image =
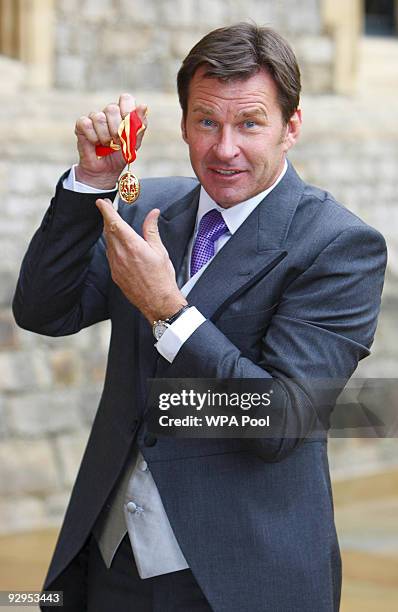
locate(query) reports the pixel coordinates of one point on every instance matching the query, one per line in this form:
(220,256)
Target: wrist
(159,327)
(98,181)
(167,312)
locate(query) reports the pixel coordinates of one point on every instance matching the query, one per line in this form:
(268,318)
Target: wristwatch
(159,327)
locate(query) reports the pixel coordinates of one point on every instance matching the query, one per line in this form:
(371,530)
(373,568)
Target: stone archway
(27,36)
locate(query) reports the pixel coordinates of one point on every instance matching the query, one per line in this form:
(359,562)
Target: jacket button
(150,440)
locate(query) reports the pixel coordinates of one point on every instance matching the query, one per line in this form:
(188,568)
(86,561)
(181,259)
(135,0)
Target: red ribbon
(128,131)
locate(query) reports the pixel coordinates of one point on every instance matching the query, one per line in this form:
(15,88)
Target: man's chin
(226,196)
(231,197)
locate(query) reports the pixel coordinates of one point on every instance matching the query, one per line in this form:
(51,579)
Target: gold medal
(129,187)
(130,127)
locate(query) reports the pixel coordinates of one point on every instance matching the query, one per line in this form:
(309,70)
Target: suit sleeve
(324,324)
(64,277)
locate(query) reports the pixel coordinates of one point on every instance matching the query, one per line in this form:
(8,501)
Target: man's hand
(101,128)
(141,267)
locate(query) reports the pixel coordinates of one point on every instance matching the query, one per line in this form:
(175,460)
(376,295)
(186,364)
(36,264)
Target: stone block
(3,177)
(27,467)
(54,507)
(314,49)
(125,43)
(22,179)
(70,72)
(21,513)
(262,12)
(152,74)
(3,424)
(9,380)
(41,370)
(182,42)
(381,213)
(88,401)
(113,74)
(68,8)
(13,74)
(177,13)
(8,281)
(70,449)
(8,331)
(66,366)
(31,207)
(303,20)
(63,37)
(390,290)
(95,366)
(96,10)
(139,12)
(387,169)
(37,414)
(32,179)
(210,14)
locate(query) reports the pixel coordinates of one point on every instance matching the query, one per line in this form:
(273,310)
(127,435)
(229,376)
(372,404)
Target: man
(249,273)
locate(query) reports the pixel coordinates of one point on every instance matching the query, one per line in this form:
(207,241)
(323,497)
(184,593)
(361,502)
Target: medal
(129,187)
(130,127)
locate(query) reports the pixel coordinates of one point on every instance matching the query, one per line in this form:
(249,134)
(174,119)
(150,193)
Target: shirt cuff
(72,184)
(178,332)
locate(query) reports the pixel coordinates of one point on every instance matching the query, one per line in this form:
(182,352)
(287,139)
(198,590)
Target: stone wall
(125,44)
(49,388)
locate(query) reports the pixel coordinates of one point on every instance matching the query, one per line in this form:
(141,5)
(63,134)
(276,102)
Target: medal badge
(130,127)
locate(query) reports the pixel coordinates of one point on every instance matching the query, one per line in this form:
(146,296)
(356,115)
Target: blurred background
(60,59)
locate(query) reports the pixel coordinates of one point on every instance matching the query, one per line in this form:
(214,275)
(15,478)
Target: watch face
(159,328)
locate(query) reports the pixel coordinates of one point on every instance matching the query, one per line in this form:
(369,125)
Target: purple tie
(211,227)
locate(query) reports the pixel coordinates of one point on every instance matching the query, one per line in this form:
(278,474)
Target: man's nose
(226,148)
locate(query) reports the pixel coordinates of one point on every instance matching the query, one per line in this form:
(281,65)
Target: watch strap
(175,316)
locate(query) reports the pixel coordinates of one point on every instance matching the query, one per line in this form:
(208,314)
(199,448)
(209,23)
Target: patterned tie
(211,227)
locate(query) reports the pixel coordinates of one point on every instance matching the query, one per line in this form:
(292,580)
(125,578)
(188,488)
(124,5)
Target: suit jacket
(295,295)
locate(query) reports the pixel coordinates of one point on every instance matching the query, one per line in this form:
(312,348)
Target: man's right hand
(101,128)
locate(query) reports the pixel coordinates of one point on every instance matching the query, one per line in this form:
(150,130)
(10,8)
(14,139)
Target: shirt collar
(236,215)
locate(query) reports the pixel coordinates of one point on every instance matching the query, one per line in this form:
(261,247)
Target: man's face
(236,136)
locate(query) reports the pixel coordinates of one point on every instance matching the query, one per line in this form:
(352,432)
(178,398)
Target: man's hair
(238,52)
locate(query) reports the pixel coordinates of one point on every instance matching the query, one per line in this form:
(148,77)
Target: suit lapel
(176,226)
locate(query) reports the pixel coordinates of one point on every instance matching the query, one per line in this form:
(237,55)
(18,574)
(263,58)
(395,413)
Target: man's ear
(293,129)
(183,129)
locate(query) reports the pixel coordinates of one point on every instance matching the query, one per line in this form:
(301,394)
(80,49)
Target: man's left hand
(141,267)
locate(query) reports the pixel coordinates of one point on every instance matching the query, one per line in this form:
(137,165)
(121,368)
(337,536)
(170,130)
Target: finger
(114,119)
(114,225)
(126,104)
(84,129)
(150,229)
(100,125)
(86,140)
(112,219)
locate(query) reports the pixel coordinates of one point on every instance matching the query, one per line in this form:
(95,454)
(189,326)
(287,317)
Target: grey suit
(294,295)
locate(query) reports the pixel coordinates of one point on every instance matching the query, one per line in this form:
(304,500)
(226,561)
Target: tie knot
(212,226)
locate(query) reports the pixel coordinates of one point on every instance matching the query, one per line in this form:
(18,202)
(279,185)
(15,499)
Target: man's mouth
(224,172)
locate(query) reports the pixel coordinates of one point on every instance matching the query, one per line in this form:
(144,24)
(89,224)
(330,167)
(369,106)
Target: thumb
(150,228)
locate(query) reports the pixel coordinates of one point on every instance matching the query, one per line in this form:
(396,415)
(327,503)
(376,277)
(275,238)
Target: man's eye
(250,123)
(207,122)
